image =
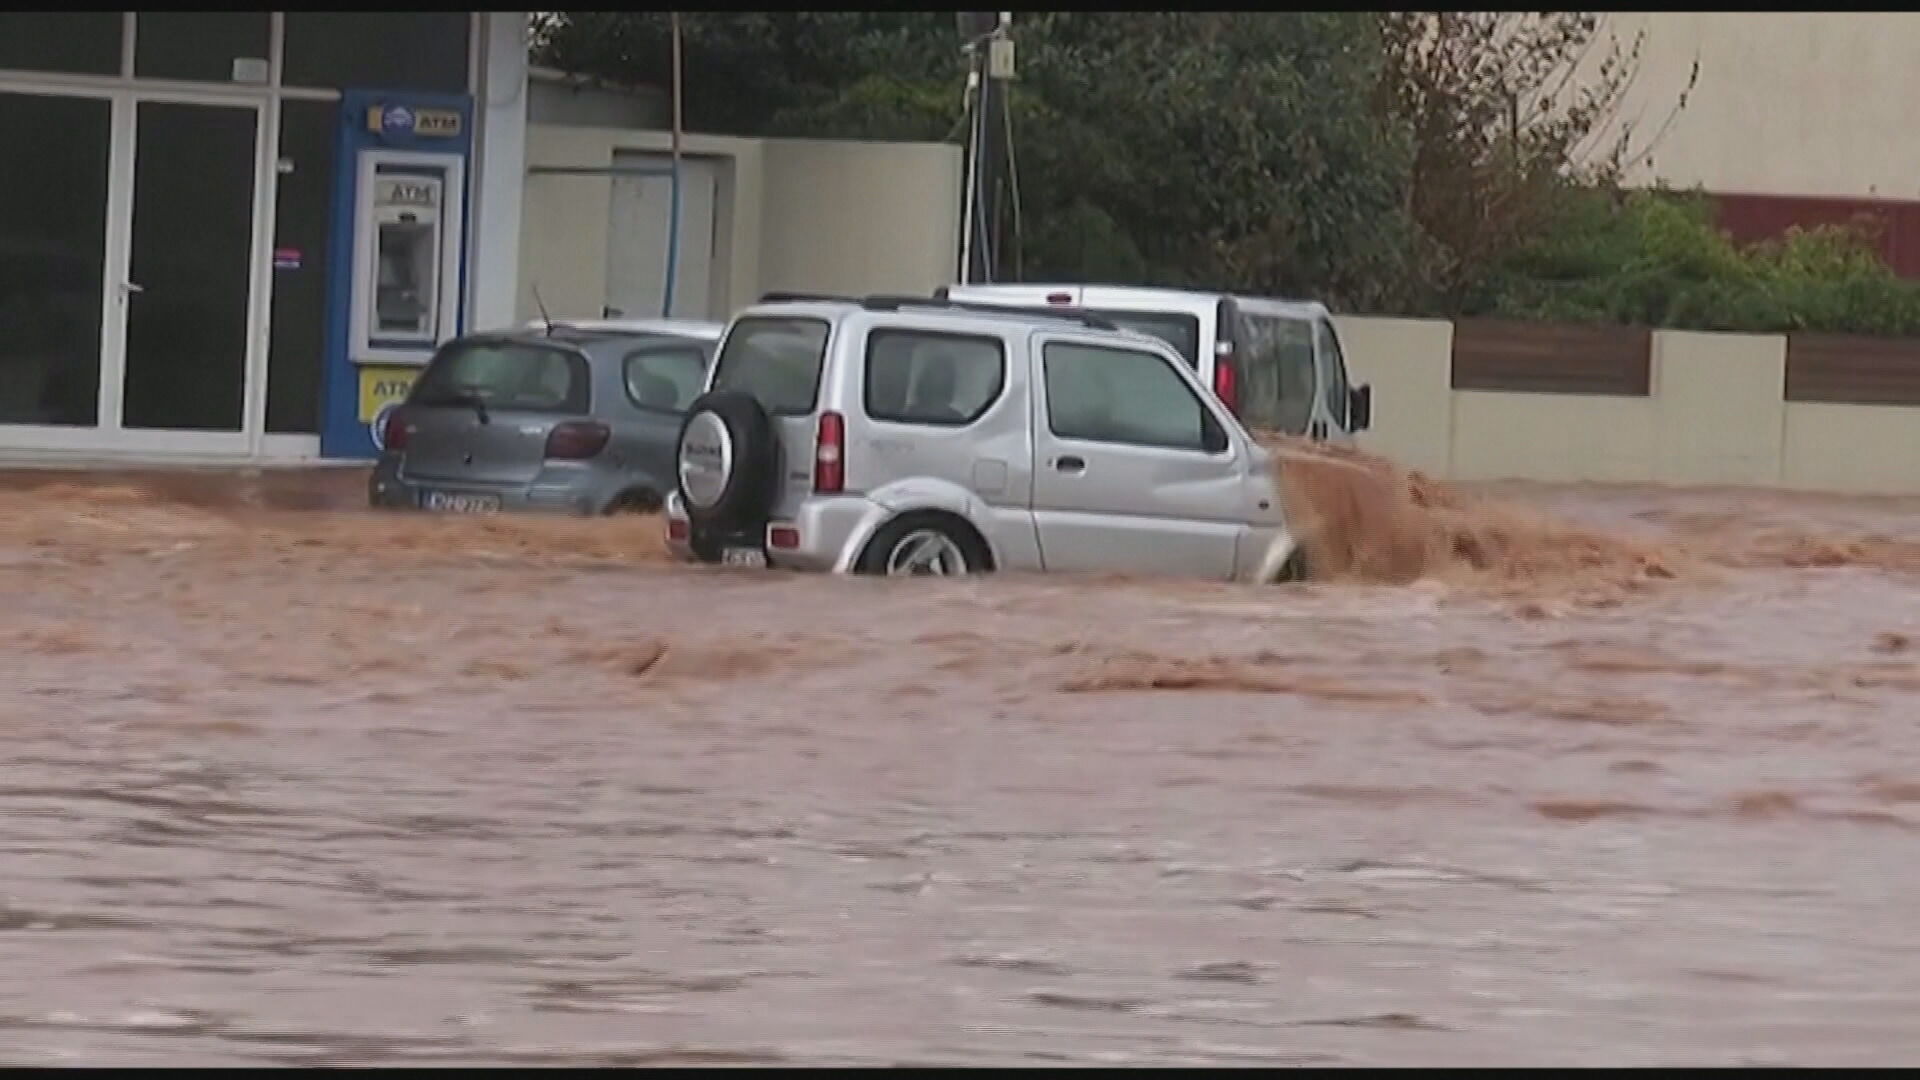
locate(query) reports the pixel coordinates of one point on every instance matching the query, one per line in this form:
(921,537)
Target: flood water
(300,786)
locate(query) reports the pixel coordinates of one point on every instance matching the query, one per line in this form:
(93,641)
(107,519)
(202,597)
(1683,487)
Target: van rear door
(1275,357)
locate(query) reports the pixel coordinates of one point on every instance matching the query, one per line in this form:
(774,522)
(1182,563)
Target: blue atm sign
(423,123)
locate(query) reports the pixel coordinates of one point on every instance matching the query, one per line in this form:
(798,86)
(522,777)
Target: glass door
(53,253)
(191,347)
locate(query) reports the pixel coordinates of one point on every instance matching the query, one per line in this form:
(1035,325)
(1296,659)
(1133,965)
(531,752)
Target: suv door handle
(1070,463)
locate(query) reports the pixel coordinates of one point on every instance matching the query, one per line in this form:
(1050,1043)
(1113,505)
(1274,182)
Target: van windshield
(1180,330)
(775,359)
(505,375)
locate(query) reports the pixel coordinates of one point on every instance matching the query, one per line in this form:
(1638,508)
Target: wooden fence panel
(1551,358)
(1845,369)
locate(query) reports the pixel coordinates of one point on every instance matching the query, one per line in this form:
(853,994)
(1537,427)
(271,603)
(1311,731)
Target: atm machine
(399,287)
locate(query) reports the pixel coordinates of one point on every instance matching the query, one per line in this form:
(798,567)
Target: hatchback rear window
(775,359)
(664,377)
(1176,329)
(509,375)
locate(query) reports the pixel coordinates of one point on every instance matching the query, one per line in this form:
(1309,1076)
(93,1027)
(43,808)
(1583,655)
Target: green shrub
(1655,258)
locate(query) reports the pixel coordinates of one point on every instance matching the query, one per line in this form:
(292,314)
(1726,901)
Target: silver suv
(898,435)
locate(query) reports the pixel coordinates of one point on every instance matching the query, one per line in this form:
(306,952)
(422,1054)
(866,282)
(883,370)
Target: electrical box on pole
(1000,59)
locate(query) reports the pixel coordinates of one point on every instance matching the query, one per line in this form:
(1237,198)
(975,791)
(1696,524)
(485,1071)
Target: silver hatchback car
(579,419)
(919,436)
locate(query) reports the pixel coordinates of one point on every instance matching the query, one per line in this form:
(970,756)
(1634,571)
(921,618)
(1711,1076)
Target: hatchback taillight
(393,433)
(577,440)
(829,455)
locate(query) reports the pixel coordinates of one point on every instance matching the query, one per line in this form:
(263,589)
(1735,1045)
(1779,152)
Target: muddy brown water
(286,786)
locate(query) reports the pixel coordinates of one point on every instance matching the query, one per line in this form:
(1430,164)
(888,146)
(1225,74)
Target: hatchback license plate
(455,502)
(744,556)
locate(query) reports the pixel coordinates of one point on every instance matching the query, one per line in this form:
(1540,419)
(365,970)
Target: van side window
(664,378)
(924,377)
(1105,394)
(1329,345)
(1276,373)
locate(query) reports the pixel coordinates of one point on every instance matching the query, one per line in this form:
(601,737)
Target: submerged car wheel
(1294,570)
(924,545)
(640,501)
(725,462)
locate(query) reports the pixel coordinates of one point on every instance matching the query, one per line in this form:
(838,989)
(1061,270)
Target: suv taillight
(393,433)
(1226,386)
(577,440)
(829,455)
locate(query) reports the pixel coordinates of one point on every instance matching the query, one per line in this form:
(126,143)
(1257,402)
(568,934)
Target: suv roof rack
(805,298)
(1061,314)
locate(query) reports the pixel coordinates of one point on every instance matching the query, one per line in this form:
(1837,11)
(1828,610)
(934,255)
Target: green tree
(1188,148)
(1655,258)
(741,69)
(1505,112)
(1232,149)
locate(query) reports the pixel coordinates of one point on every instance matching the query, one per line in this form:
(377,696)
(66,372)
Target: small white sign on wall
(250,69)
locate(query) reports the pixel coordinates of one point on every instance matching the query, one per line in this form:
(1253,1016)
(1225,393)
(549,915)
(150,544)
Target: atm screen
(406,214)
(404,292)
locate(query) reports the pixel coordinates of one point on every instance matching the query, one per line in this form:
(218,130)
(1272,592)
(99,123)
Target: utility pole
(989,49)
(673,199)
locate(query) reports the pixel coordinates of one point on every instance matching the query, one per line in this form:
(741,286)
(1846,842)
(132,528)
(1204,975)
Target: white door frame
(108,435)
(61,436)
(245,441)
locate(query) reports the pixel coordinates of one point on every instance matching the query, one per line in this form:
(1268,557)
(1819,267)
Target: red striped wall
(1749,218)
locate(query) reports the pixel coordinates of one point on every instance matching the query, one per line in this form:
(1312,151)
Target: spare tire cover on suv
(725,460)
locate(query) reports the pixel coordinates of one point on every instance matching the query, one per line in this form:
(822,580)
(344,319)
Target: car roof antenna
(542,305)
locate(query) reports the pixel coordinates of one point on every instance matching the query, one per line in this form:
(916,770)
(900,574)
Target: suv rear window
(1176,329)
(776,359)
(511,375)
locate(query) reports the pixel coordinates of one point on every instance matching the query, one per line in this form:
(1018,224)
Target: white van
(1277,364)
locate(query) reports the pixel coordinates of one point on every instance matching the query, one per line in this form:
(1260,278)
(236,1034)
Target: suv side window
(664,377)
(1105,394)
(1276,373)
(927,377)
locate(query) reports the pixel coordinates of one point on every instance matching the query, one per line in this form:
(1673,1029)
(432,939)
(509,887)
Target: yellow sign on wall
(383,386)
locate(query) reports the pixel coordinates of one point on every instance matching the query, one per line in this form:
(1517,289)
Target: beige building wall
(1788,102)
(791,214)
(1408,364)
(860,217)
(1555,437)
(1717,415)
(1855,449)
(1720,411)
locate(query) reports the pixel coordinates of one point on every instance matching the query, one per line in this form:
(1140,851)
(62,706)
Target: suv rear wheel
(924,545)
(725,462)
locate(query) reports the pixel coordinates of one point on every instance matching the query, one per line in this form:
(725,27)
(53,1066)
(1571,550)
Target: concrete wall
(499,179)
(1788,102)
(571,101)
(791,214)
(827,202)
(1717,415)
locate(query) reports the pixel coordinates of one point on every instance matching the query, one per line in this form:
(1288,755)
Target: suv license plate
(744,556)
(454,502)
